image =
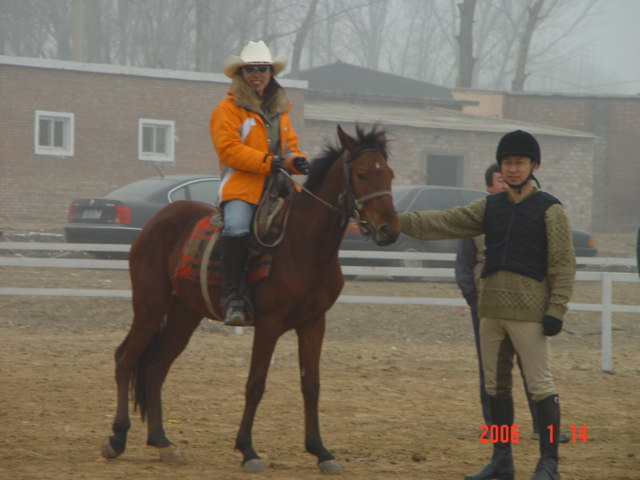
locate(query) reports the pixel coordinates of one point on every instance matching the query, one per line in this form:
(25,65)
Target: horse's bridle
(348,205)
(352,206)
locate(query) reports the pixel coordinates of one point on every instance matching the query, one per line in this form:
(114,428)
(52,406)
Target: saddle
(272,213)
(207,230)
(200,259)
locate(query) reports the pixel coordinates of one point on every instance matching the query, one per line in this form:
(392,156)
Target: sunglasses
(259,68)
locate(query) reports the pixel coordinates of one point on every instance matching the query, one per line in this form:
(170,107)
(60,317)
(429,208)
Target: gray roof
(341,78)
(49,63)
(426,117)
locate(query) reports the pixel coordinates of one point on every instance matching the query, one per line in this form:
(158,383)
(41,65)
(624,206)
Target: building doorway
(443,170)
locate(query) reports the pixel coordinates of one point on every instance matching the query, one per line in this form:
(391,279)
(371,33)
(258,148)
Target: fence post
(607,301)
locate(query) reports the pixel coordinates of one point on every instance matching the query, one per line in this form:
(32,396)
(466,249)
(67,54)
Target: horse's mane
(320,165)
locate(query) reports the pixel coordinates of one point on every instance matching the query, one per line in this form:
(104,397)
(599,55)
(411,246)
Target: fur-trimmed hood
(245,97)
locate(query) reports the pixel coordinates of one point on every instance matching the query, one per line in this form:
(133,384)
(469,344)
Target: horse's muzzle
(384,235)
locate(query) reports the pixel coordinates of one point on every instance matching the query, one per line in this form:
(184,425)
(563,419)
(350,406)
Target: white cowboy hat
(253,53)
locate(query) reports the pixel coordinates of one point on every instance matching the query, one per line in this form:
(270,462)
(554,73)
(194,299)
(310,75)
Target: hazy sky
(618,46)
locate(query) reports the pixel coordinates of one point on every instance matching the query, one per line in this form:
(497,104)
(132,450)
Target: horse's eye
(360,176)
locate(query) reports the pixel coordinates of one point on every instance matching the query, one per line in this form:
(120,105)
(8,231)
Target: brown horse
(353,180)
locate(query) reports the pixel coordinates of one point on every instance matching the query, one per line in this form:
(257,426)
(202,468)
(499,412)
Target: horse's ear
(347,142)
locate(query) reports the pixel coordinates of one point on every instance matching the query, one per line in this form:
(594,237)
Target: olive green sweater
(506,294)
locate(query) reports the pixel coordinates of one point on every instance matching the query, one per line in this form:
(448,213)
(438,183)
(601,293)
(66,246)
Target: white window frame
(68,135)
(170,127)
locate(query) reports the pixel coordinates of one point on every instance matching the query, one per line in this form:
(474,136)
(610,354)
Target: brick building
(438,146)
(100,112)
(72,130)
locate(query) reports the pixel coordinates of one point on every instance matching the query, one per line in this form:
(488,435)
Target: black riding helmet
(522,143)
(518,142)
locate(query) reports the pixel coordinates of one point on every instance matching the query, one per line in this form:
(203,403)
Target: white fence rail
(607,279)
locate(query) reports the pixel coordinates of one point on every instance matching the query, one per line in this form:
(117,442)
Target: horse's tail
(138,378)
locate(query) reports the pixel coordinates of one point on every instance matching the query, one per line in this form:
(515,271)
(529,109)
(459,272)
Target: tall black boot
(234,258)
(500,467)
(548,414)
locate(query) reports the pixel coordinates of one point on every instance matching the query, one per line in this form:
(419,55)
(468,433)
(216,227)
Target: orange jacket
(240,140)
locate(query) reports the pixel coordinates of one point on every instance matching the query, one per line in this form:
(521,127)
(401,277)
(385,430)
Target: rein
(349,206)
(327,204)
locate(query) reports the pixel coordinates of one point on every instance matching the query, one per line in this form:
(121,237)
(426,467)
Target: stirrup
(235,313)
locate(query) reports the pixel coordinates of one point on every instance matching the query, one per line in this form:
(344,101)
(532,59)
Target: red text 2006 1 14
(509,433)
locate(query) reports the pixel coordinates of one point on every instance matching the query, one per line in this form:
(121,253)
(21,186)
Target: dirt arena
(399,392)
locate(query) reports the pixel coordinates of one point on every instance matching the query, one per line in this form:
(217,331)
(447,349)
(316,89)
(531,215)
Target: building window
(54,133)
(156,140)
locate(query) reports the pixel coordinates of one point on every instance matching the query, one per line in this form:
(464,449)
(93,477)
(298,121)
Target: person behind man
(253,137)
(468,268)
(638,251)
(527,280)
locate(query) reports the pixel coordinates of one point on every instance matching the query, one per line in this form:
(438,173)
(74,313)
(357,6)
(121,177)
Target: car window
(204,191)
(437,199)
(472,195)
(401,196)
(139,189)
(179,194)
(406,198)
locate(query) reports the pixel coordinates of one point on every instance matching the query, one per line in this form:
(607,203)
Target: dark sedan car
(427,197)
(119,216)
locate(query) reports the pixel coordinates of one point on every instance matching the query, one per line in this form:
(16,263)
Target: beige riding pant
(500,340)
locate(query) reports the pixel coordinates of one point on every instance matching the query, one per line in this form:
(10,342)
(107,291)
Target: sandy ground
(399,389)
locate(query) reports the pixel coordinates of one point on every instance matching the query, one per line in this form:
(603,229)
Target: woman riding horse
(253,138)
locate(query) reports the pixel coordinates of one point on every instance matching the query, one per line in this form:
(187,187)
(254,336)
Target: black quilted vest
(516,235)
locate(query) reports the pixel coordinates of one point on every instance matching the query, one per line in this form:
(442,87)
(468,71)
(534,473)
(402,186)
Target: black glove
(551,326)
(302,165)
(276,164)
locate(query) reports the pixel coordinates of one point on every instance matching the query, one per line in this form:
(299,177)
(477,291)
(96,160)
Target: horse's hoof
(330,466)
(253,466)
(108,451)
(171,454)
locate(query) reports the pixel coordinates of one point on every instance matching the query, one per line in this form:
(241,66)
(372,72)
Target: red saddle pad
(190,263)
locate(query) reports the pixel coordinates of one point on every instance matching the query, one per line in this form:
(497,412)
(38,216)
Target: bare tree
(331,32)
(533,19)
(24,29)
(203,35)
(418,46)
(99,33)
(77,30)
(123,45)
(59,26)
(431,46)
(489,44)
(554,48)
(301,36)
(510,44)
(370,28)
(465,44)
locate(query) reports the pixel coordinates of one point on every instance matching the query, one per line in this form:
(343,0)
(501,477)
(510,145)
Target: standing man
(470,259)
(527,280)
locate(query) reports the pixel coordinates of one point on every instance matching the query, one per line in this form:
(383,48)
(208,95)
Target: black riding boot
(548,414)
(234,258)
(500,467)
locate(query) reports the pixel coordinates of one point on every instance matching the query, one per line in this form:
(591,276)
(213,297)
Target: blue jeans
(237,215)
